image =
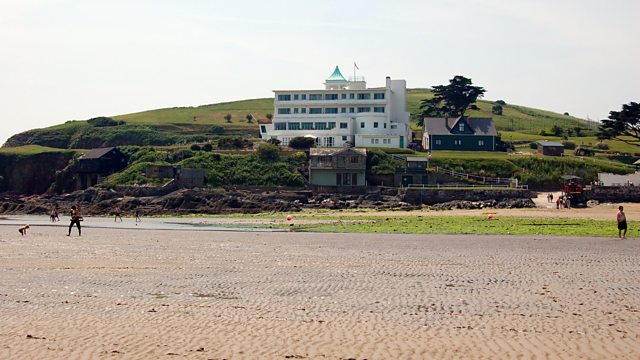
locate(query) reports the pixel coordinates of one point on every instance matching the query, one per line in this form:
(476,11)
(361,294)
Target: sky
(73,60)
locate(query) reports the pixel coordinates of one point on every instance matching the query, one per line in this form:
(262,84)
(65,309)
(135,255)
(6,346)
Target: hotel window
(285,141)
(351,110)
(331,125)
(372,141)
(295,110)
(364,109)
(343,110)
(457,142)
(378,96)
(480,142)
(438,142)
(331,110)
(362,125)
(328,141)
(386,141)
(303,96)
(461,127)
(344,125)
(375,124)
(331,96)
(354,159)
(303,110)
(377,141)
(294,126)
(284,111)
(344,138)
(307,126)
(394,126)
(295,97)
(280,126)
(352,96)
(378,109)
(315,96)
(385,125)
(364,96)
(315,111)
(284,97)
(263,129)
(343,96)
(321,126)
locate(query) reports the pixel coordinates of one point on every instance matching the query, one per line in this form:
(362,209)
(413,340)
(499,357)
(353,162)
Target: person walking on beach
(622,223)
(137,213)
(52,215)
(75,219)
(55,211)
(117,214)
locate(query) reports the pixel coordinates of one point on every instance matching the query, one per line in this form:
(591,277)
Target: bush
(533,145)
(301,142)
(274,141)
(569,145)
(543,133)
(195,147)
(217,130)
(103,121)
(234,143)
(602,146)
(501,102)
(496,109)
(268,152)
(207,147)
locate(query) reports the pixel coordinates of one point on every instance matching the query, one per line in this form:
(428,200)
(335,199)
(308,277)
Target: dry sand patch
(200,295)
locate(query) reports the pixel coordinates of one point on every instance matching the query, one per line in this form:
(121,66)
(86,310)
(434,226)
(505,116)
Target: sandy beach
(146,294)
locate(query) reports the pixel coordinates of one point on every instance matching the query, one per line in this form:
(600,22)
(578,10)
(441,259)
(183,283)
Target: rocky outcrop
(159,201)
(32,174)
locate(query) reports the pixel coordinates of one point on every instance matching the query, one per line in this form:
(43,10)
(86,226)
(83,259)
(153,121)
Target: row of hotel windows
(352,96)
(287,111)
(323,142)
(458,142)
(377,141)
(322,125)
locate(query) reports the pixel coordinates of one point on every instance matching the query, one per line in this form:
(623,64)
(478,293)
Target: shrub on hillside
(501,102)
(533,145)
(602,146)
(217,130)
(234,143)
(496,109)
(301,142)
(104,121)
(569,145)
(274,141)
(268,152)
(195,147)
(180,155)
(207,147)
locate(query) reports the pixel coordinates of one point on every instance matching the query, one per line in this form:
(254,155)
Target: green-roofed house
(459,133)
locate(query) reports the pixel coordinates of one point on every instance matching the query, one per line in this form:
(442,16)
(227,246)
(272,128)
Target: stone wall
(418,196)
(614,194)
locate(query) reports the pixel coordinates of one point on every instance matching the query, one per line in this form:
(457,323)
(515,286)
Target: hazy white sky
(64,60)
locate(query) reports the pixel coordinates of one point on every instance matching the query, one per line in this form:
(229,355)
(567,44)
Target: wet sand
(131,294)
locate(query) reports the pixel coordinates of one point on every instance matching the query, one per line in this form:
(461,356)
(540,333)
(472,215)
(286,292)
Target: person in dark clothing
(75,219)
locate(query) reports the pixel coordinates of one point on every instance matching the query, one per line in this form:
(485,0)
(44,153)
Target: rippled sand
(214,295)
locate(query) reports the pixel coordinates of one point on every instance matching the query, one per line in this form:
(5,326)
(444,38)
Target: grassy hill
(169,126)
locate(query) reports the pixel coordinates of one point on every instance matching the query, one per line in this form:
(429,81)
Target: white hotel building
(345,111)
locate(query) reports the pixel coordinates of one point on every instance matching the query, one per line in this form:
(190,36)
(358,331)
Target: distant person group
(76,219)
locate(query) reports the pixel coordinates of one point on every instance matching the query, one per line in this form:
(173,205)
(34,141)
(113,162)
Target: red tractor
(573,191)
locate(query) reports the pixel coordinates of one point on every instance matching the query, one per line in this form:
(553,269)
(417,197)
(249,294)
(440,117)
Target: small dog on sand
(23,230)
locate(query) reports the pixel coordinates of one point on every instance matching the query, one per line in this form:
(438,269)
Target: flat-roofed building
(344,112)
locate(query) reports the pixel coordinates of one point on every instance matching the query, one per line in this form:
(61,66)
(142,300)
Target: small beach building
(337,167)
(96,164)
(550,148)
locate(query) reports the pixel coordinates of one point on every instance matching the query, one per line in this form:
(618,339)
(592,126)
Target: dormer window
(461,127)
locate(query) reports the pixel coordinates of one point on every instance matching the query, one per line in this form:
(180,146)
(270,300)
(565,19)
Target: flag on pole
(355,65)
